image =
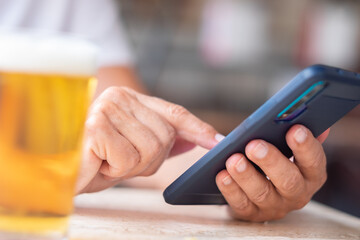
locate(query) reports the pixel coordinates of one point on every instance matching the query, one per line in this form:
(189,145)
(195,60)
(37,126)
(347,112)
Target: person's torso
(38,14)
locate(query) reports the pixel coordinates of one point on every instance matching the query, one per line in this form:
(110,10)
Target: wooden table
(124,213)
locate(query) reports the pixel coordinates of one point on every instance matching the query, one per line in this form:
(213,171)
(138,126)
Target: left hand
(252,197)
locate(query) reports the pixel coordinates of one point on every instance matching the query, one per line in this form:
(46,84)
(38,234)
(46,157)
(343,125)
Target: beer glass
(46,83)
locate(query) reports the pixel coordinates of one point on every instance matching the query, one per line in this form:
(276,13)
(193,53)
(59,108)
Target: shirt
(96,20)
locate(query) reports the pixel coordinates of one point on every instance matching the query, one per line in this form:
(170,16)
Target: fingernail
(241,165)
(300,135)
(227,180)
(219,137)
(260,150)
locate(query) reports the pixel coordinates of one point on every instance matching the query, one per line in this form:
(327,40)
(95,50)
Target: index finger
(187,125)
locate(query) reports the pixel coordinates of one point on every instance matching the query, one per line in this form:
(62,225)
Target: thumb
(187,125)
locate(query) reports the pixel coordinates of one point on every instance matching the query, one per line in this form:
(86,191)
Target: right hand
(129,134)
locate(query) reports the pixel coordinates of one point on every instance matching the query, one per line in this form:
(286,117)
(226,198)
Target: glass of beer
(46,85)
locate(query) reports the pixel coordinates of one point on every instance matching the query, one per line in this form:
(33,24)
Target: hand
(253,197)
(129,134)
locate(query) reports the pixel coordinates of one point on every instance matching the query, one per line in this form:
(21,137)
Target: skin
(253,197)
(130,134)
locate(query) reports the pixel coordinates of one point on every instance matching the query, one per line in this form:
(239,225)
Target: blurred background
(223,58)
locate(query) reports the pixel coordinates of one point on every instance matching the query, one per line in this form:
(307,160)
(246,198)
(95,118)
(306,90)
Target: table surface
(125,213)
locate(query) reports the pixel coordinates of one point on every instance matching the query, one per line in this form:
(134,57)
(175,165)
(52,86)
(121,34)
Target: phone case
(316,98)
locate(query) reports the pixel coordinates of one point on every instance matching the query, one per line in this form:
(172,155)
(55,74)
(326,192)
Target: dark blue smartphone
(316,98)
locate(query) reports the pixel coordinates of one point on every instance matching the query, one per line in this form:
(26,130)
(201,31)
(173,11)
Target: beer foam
(47,54)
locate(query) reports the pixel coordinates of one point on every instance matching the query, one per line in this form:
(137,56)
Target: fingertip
(223,173)
(236,162)
(205,136)
(207,143)
(249,147)
(226,181)
(222,178)
(212,137)
(257,149)
(298,135)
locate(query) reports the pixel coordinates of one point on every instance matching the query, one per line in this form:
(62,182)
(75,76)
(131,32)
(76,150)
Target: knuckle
(90,124)
(106,107)
(122,170)
(169,138)
(132,162)
(113,90)
(318,161)
(241,205)
(292,184)
(263,195)
(155,149)
(129,91)
(117,95)
(92,147)
(122,93)
(101,104)
(177,111)
(94,123)
(171,132)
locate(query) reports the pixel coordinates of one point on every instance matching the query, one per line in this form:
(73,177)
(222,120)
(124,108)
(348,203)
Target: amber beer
(45,89)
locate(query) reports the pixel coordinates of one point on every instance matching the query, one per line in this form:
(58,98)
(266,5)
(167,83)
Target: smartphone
(316,98)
